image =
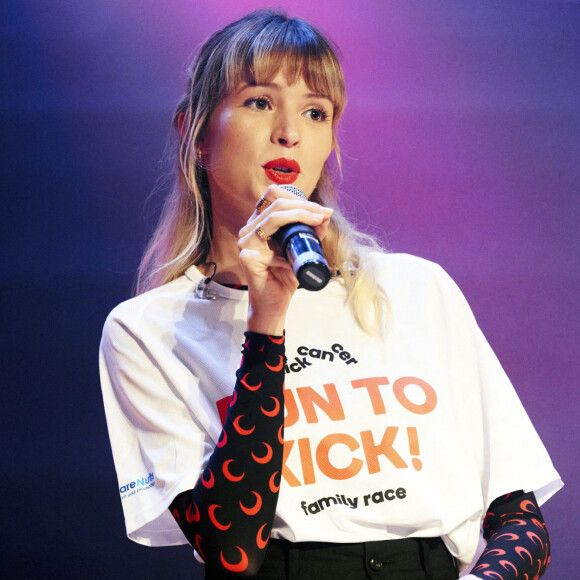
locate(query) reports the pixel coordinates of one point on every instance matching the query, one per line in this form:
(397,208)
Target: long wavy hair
(256,48)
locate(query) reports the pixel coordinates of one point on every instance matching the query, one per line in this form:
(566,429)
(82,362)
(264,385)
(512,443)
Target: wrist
(272,325)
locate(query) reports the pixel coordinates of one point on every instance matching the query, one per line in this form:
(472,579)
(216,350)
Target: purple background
(460,144)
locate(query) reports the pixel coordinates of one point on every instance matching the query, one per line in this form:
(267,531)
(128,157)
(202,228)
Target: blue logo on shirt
(137,485)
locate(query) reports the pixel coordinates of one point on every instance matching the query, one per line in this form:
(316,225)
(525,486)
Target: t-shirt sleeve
(511,454)
(158,444)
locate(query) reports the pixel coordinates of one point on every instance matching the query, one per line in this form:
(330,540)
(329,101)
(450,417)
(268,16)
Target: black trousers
(406,559)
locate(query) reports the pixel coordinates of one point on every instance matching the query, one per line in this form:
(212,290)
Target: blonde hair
(255,48)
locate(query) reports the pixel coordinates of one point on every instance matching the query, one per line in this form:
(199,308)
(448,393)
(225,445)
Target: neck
(225,253)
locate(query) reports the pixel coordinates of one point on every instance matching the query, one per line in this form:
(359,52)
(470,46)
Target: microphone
(302,249)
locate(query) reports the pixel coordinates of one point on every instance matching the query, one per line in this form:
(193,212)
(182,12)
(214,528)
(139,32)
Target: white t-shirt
(410,435)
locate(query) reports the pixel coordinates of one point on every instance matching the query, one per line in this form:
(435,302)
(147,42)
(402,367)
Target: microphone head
(293,189)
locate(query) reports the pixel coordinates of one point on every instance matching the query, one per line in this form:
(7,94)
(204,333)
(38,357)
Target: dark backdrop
(460,144)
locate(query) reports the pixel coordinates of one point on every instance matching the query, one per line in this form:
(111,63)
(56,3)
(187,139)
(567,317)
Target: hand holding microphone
(303,250)
(274,273)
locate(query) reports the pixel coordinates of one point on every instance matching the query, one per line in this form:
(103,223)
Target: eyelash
(253,102)
(323,114)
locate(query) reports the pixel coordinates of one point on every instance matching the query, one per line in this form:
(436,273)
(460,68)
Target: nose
(286,131)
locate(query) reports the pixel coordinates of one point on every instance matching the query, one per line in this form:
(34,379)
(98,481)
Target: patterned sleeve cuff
(259,347)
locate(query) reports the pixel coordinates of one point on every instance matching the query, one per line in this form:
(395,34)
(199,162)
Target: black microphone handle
(303,250)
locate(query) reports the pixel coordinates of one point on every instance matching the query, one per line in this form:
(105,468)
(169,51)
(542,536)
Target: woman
(371,429)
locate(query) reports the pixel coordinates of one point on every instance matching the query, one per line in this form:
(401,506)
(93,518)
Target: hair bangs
(294,49)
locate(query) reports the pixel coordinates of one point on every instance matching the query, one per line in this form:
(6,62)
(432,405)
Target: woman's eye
(317,114)
(258,103)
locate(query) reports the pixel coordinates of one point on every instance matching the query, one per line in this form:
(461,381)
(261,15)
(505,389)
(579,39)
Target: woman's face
(264,134)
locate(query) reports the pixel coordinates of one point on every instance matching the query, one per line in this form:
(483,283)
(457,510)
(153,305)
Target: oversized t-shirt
(411,434)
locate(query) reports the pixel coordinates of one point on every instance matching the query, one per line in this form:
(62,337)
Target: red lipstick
(282,171)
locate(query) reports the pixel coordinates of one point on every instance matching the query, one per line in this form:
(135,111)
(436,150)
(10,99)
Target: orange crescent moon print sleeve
(228,515)
(518,545)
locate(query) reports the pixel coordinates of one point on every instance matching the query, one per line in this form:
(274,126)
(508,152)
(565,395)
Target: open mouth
(282,171)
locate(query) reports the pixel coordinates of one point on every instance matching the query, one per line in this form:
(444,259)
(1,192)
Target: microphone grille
(293,189)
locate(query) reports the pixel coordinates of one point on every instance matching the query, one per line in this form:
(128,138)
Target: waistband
(402,559)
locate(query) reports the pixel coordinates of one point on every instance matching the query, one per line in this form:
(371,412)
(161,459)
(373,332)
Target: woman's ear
(181,124)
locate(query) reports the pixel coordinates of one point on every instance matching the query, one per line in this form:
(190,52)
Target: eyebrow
(249,84)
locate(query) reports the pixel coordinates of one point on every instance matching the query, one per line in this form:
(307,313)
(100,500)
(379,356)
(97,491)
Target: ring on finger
(263,204)
(261,233)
